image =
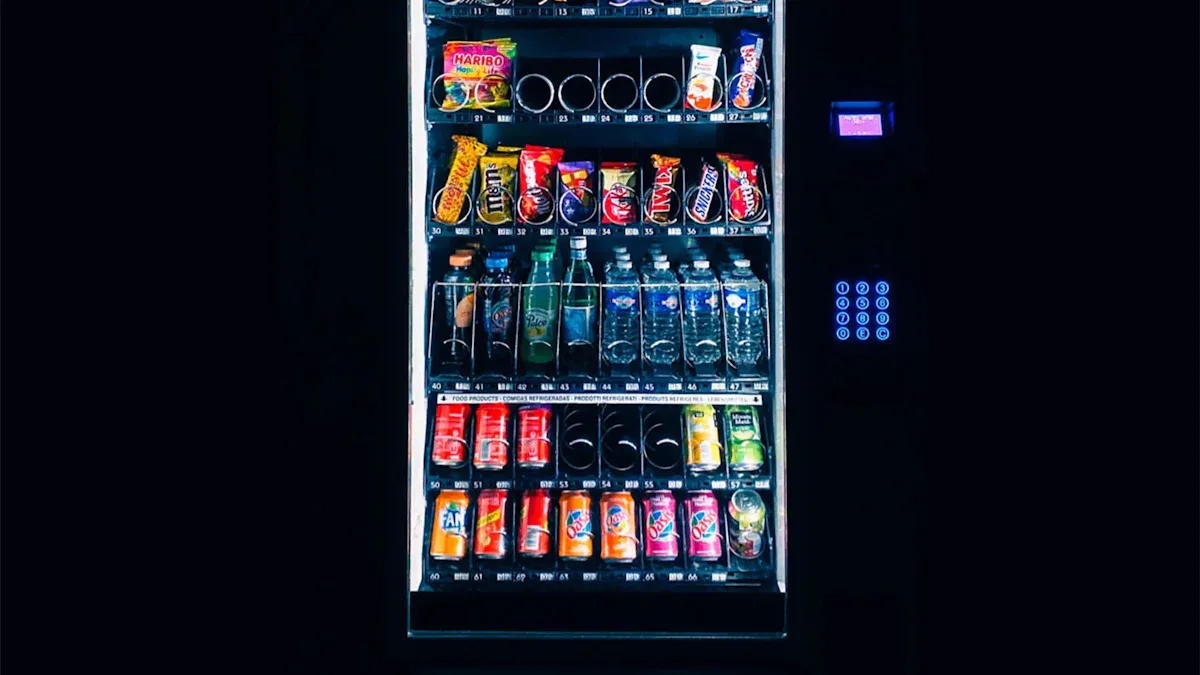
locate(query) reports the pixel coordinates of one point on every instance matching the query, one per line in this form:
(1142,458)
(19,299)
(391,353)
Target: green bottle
(539,315)
(745,438)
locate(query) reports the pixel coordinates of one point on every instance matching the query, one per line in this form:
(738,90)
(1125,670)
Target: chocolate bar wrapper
(710,178)
(745,201)
(741,87)
(618,186)
(535,165)
(467,151)
(665,191)
(701,84)
(497,184)
(576,204)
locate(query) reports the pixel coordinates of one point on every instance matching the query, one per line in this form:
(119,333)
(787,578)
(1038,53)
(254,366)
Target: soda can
(450,434)
(448,538)
(703,444)
(748,518)
(491,436)
(704,536)
(618,540)
(491,524)
(533,436)
(662,534)
(745,438)
(575,525)
(534,526)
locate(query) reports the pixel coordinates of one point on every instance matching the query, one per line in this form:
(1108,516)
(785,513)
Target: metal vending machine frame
(420,304)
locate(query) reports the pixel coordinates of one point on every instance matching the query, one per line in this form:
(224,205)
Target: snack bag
(576,204)
(664,191)
(536,201)
(741,87)
(745,201)
(618,186)
(497,185)
(467,65)
(702,78)
(467,151)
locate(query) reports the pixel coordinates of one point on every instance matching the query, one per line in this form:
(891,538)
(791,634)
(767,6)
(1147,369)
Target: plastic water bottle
(459,298)
(661,314)
(648,261)
(648,268)
(579,312)
(539,316)
(499,317)
(618,252)
(743,318)
(701,318)
(622,308)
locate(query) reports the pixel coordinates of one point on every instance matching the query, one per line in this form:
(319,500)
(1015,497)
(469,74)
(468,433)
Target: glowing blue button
(881,303)
(842,302)
(862,318)
(861,302)
(862,333)
(882,333)
(862,288)
(882,318)
(881,287)
(842,318)
(843,333)
(842,288)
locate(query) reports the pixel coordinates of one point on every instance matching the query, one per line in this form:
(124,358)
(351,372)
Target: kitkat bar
(618,185)
(745,197)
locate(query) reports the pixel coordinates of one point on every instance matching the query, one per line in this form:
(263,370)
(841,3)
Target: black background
(202,217)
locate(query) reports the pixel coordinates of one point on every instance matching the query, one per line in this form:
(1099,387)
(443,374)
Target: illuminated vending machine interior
(597,440)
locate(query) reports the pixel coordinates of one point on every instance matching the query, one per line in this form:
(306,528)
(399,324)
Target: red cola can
(533,530)
(533,436)
(491,436)
(450,434)
(704,530)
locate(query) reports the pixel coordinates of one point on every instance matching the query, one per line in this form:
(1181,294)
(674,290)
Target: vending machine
(597,432)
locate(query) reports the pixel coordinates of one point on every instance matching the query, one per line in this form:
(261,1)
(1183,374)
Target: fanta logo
(704,526)
(660,524)
(452,519)
(616,519)
(579,524)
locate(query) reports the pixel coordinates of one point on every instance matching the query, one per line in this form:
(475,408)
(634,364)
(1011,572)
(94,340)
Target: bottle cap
(625,264)
(543,256)
(660,256)
(620,249)
(578,242)
(662,265)
(457,260)
(741,264)
(623,256)
(700,264)
(497,262)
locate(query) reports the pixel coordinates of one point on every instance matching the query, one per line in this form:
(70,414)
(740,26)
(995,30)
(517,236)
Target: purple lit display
(860,125)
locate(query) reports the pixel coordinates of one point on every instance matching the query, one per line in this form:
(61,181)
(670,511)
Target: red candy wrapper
(745,199)
(618,182)
(535,168)
(665,170)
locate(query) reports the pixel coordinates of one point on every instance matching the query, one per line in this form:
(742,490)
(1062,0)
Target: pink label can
(662,532)
(704,532)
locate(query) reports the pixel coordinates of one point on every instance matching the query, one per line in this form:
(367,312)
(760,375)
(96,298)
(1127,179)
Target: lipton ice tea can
(703,444)
(534,527)
(491,436)
(704,536)
(575,525)
(450,434)
(661,531)
(491,524)
(618,541)
(448,537)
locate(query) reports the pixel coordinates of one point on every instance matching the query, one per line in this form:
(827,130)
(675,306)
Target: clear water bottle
(648,268)
(499,297)
(648,261)
(622,309)
(459,298)
(744,318)
(581,299)
(661,315)
(702,318)
(619,253)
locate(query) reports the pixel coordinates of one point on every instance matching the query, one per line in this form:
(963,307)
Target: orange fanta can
(618,540)
(448,537)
